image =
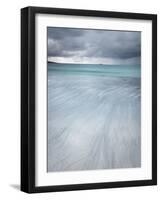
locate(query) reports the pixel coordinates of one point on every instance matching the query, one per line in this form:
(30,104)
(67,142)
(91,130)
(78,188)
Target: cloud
(87,45)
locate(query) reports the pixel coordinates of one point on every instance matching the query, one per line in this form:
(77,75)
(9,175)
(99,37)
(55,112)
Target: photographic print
(88,99)
(94,99)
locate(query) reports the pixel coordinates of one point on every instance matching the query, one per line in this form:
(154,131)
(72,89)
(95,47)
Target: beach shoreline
(93,121)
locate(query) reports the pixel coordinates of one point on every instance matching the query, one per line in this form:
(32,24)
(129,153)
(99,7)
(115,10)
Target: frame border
(28,99)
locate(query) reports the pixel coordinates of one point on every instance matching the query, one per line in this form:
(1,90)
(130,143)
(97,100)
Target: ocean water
(94,117)
(96,69)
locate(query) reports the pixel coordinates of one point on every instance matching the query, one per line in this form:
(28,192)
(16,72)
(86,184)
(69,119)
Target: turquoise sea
(96,69)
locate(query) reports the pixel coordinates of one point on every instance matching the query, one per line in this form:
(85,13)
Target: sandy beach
(93,122)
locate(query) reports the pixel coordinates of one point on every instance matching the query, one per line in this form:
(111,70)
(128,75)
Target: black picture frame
(28,98)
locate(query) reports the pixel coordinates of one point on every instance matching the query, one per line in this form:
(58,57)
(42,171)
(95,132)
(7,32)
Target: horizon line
(90,63)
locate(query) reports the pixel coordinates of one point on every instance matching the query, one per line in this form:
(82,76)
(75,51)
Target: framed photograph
(88,99)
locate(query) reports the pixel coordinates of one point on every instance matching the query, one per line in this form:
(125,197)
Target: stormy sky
(69,45)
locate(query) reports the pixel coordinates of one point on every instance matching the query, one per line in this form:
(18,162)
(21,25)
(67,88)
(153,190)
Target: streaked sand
(93,122)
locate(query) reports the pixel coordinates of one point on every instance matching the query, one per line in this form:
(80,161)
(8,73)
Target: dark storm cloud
(59,33)
(65,42)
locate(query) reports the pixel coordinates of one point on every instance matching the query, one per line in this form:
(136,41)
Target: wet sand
(93,122)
